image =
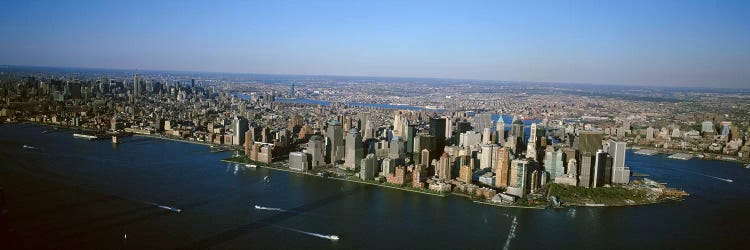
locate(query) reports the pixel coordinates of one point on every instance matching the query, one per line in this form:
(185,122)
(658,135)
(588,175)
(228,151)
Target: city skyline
(692,44)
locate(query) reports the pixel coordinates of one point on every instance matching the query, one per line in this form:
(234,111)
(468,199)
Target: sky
(667,43)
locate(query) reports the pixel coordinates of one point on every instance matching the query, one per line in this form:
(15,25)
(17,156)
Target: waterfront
(71,193)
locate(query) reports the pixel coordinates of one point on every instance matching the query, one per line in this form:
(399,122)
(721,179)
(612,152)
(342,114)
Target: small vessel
(267,179)
(250,166)
(333,237)
(748,166)
(28,147)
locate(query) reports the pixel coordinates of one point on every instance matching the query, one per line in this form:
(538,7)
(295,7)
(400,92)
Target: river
(63,192)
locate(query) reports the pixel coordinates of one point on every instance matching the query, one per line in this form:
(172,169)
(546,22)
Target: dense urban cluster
(495,141)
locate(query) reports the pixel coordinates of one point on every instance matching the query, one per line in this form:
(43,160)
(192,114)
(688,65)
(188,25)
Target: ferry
(85,136)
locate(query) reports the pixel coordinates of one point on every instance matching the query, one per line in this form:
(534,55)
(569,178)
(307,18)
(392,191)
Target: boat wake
(710,176)
(511,234)
(332,237)
(173,209)
(269,208)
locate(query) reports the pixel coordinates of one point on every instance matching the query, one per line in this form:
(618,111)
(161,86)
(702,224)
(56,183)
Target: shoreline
(269,166)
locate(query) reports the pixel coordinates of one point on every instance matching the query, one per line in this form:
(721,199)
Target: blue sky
(688,43)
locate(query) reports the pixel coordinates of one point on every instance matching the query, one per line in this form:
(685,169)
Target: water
(70,193)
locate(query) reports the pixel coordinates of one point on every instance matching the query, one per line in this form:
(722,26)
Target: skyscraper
(502,170)
(620,173)
(518,184)
(600,175)
(334,142)
(486,161)
(553,162)
(585,175)
(437,130)
(315,147)
(354,151)
(367,172)
(240,126)
(589,141)
(444,167)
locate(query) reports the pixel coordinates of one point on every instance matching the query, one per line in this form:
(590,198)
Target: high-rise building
(519,174)
(589,141)
(334,142)
(502,168)
(553,162)
(707,126)
(486,161)
(650,133)
(397,149)
(602,172)
(369,163)
(482,121)
(354,151)
(299,161)
(620,173)
(500,131)
(137,90)
(316,148)
(411,133)
(464,174)
(444,167)
(239,127)
(585,176)
(437,129)
(388,166)
(448,128)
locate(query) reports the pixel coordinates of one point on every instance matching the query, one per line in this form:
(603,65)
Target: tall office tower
(531,149)
(398,122)
(572,168)
(589,141)
(532,133)
(516,130)
(137,85)
(486,136)
(585,176)
(388,166)
(411,133)
(620,173)
(469,138)
(500,131)
(707,127)
(192,83)
(464,174)
(518,183)
(437,130)
(448,128)
(369,164)
(482,121)
(291,91)
(425,158)
(397,149)
(334,142)
(354,151)
(239,125)
(486,161)
(725,128)
(602,169)
(316,147)
(553,162)
(444,167)
(650,133)
(462,126)
(363,118)
(502,170)
(299,161)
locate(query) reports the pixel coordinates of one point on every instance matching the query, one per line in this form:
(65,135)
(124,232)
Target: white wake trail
(330,237)
(512,233)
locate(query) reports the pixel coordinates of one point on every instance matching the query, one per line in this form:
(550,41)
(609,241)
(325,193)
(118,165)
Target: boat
(86,136)
(250,166)
(333,237)
(748,166)
(28,147)
(267,179)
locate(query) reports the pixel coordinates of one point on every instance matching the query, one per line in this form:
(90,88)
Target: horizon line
(371,76)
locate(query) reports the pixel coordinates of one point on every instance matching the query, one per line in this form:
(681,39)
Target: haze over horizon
(677,43)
